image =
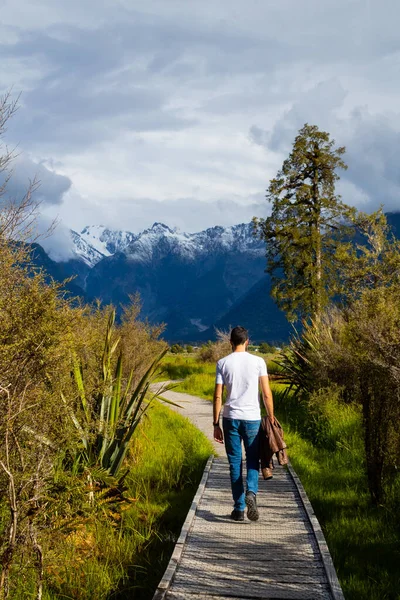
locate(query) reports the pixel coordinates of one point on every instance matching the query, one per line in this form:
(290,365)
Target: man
(242,374)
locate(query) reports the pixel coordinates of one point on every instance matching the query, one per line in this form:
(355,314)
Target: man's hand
(267,397)
(218,435)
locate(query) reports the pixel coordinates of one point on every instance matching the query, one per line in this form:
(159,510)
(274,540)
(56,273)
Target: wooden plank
(333,580)
(282,556)
(257,590)
(198,571)
(273,595)
(177,553)
(286,560)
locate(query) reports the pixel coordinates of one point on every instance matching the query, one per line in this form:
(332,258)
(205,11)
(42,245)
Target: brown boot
(267,473)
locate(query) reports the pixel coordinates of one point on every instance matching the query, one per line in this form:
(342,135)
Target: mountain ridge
(194,282)
(94,243)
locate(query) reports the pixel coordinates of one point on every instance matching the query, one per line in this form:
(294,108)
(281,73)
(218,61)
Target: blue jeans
(236,430)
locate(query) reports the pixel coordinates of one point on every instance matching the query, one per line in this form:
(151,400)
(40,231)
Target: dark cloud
(372,143)
(373,158)
(52,186)
(259,136)
(97,83)
(314,106)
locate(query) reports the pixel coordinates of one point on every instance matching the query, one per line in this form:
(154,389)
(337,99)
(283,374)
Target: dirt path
(198,410)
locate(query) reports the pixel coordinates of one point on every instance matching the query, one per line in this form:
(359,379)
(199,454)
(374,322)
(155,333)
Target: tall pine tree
(307,226)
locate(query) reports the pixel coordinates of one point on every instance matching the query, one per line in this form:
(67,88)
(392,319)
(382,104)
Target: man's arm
(218,436)
(267,396)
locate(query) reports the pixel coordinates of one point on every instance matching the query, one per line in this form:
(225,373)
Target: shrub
(357,349)
(177,349)
(213,351)
(46,498)
(266,348)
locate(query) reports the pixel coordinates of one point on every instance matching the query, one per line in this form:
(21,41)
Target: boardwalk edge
(169,573)
(327,561)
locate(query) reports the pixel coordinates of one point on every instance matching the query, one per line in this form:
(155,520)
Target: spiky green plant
(296,365)
(110,418)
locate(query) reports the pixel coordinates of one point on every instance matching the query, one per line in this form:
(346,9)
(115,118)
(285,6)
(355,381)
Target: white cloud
(56,240)
(187,109)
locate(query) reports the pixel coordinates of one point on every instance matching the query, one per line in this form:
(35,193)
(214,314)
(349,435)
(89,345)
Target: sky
(181,111)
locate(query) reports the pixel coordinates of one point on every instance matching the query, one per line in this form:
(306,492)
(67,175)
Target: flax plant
(110,417)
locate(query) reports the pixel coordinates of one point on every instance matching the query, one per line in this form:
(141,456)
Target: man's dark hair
(239,335)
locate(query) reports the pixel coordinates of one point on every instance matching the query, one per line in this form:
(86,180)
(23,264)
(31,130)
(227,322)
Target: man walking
(242,374)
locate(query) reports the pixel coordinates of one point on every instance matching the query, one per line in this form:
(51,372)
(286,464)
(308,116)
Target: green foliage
(266,348)
(357,349)
(102,557)
(69,528)
(111,417)
(36,325)
(199,384)
(362,538)
(177,349)
(178,367)
(307,226)
(374,261)
(189,349)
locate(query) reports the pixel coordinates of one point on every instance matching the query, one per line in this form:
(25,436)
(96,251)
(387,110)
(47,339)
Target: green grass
(328,455)
(169,460)
(126,559)
(178,366)
(363,539)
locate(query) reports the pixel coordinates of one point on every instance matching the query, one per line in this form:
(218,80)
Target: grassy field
(168,458)
(126,559)
(179,366)
(198,378)
(363,539)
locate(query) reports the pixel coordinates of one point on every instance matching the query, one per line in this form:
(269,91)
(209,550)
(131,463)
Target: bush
(177,349)
(357,349)
(48,499)
(213,351)
(266,348)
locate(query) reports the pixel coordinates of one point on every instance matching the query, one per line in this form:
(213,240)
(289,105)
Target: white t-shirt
(240,373)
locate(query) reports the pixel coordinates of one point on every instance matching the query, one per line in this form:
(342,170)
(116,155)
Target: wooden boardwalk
(281,556)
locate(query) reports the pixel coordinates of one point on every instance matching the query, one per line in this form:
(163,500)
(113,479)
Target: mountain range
(193,282)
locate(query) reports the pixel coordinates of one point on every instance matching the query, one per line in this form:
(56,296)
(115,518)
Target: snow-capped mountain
(187,280)
(96,242)
(85,251)
(106,241)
